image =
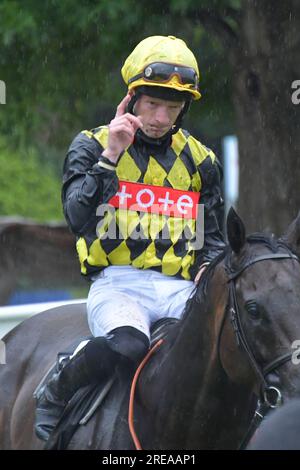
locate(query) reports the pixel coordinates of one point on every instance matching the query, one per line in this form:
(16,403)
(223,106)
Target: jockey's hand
(200,272)
(121,131)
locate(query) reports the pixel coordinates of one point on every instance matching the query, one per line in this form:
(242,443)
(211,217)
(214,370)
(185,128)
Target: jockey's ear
(235,231)
(292,235)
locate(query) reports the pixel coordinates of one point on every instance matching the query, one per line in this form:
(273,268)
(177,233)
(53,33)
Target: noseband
(270,396)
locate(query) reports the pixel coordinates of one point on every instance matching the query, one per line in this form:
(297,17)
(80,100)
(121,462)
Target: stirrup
(62,359)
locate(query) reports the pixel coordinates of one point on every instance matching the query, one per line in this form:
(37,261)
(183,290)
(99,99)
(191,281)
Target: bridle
(270,396)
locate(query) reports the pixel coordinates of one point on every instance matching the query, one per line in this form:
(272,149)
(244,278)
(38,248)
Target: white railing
(12,315)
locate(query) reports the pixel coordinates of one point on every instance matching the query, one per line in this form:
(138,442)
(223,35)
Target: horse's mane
(270,241)
(200,291)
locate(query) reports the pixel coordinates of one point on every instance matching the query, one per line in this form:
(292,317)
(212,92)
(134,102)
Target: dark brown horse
(235,341)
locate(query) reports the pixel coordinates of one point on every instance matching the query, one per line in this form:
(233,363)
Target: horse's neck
(185,388)
(195,350)
(182,376)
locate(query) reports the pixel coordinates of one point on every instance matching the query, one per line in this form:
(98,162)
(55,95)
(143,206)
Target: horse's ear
(235,231)
(292,235)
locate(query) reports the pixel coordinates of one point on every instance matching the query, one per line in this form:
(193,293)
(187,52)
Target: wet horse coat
(197,390)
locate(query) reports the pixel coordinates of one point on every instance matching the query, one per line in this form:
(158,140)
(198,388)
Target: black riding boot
(58,391)
(96,362)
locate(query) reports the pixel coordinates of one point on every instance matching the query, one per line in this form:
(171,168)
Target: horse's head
(260,335)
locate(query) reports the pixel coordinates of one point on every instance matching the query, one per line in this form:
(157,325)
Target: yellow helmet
(163,61)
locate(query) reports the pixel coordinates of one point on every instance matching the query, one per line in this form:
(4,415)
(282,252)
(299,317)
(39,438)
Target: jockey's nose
(162,115)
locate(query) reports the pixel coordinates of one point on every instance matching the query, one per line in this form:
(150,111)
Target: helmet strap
(179,120)
(132,103)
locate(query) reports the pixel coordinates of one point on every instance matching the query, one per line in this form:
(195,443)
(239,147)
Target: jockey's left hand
(200,272)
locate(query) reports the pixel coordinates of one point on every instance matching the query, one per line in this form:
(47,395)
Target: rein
(270,396)
(132,392)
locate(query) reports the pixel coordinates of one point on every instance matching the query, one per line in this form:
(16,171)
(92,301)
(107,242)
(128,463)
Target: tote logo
(156,199)
(2,92)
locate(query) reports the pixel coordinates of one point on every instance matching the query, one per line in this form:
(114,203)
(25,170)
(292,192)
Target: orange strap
(132,392)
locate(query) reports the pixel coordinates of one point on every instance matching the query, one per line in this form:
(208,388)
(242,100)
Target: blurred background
(60,67)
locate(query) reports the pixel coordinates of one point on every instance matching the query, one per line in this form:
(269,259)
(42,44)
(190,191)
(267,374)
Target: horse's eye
(252,308)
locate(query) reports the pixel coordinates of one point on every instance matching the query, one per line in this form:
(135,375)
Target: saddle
(86,400)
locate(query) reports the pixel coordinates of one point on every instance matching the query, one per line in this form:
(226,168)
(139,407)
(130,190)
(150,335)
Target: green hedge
(28,188)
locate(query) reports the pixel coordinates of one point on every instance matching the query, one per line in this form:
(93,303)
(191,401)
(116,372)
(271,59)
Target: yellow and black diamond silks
(142,239)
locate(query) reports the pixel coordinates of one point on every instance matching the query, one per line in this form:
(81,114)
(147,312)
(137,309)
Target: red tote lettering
(156,199)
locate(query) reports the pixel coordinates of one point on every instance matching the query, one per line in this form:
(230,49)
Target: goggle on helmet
(173,65)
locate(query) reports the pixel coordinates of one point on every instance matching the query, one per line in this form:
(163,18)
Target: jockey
(130,194)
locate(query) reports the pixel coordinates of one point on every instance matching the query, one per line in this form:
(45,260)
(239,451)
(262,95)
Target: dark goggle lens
(163,72)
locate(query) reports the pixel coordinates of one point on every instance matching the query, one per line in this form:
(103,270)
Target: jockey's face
(158,116)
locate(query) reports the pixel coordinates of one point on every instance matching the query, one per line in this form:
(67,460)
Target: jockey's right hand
(121,131)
